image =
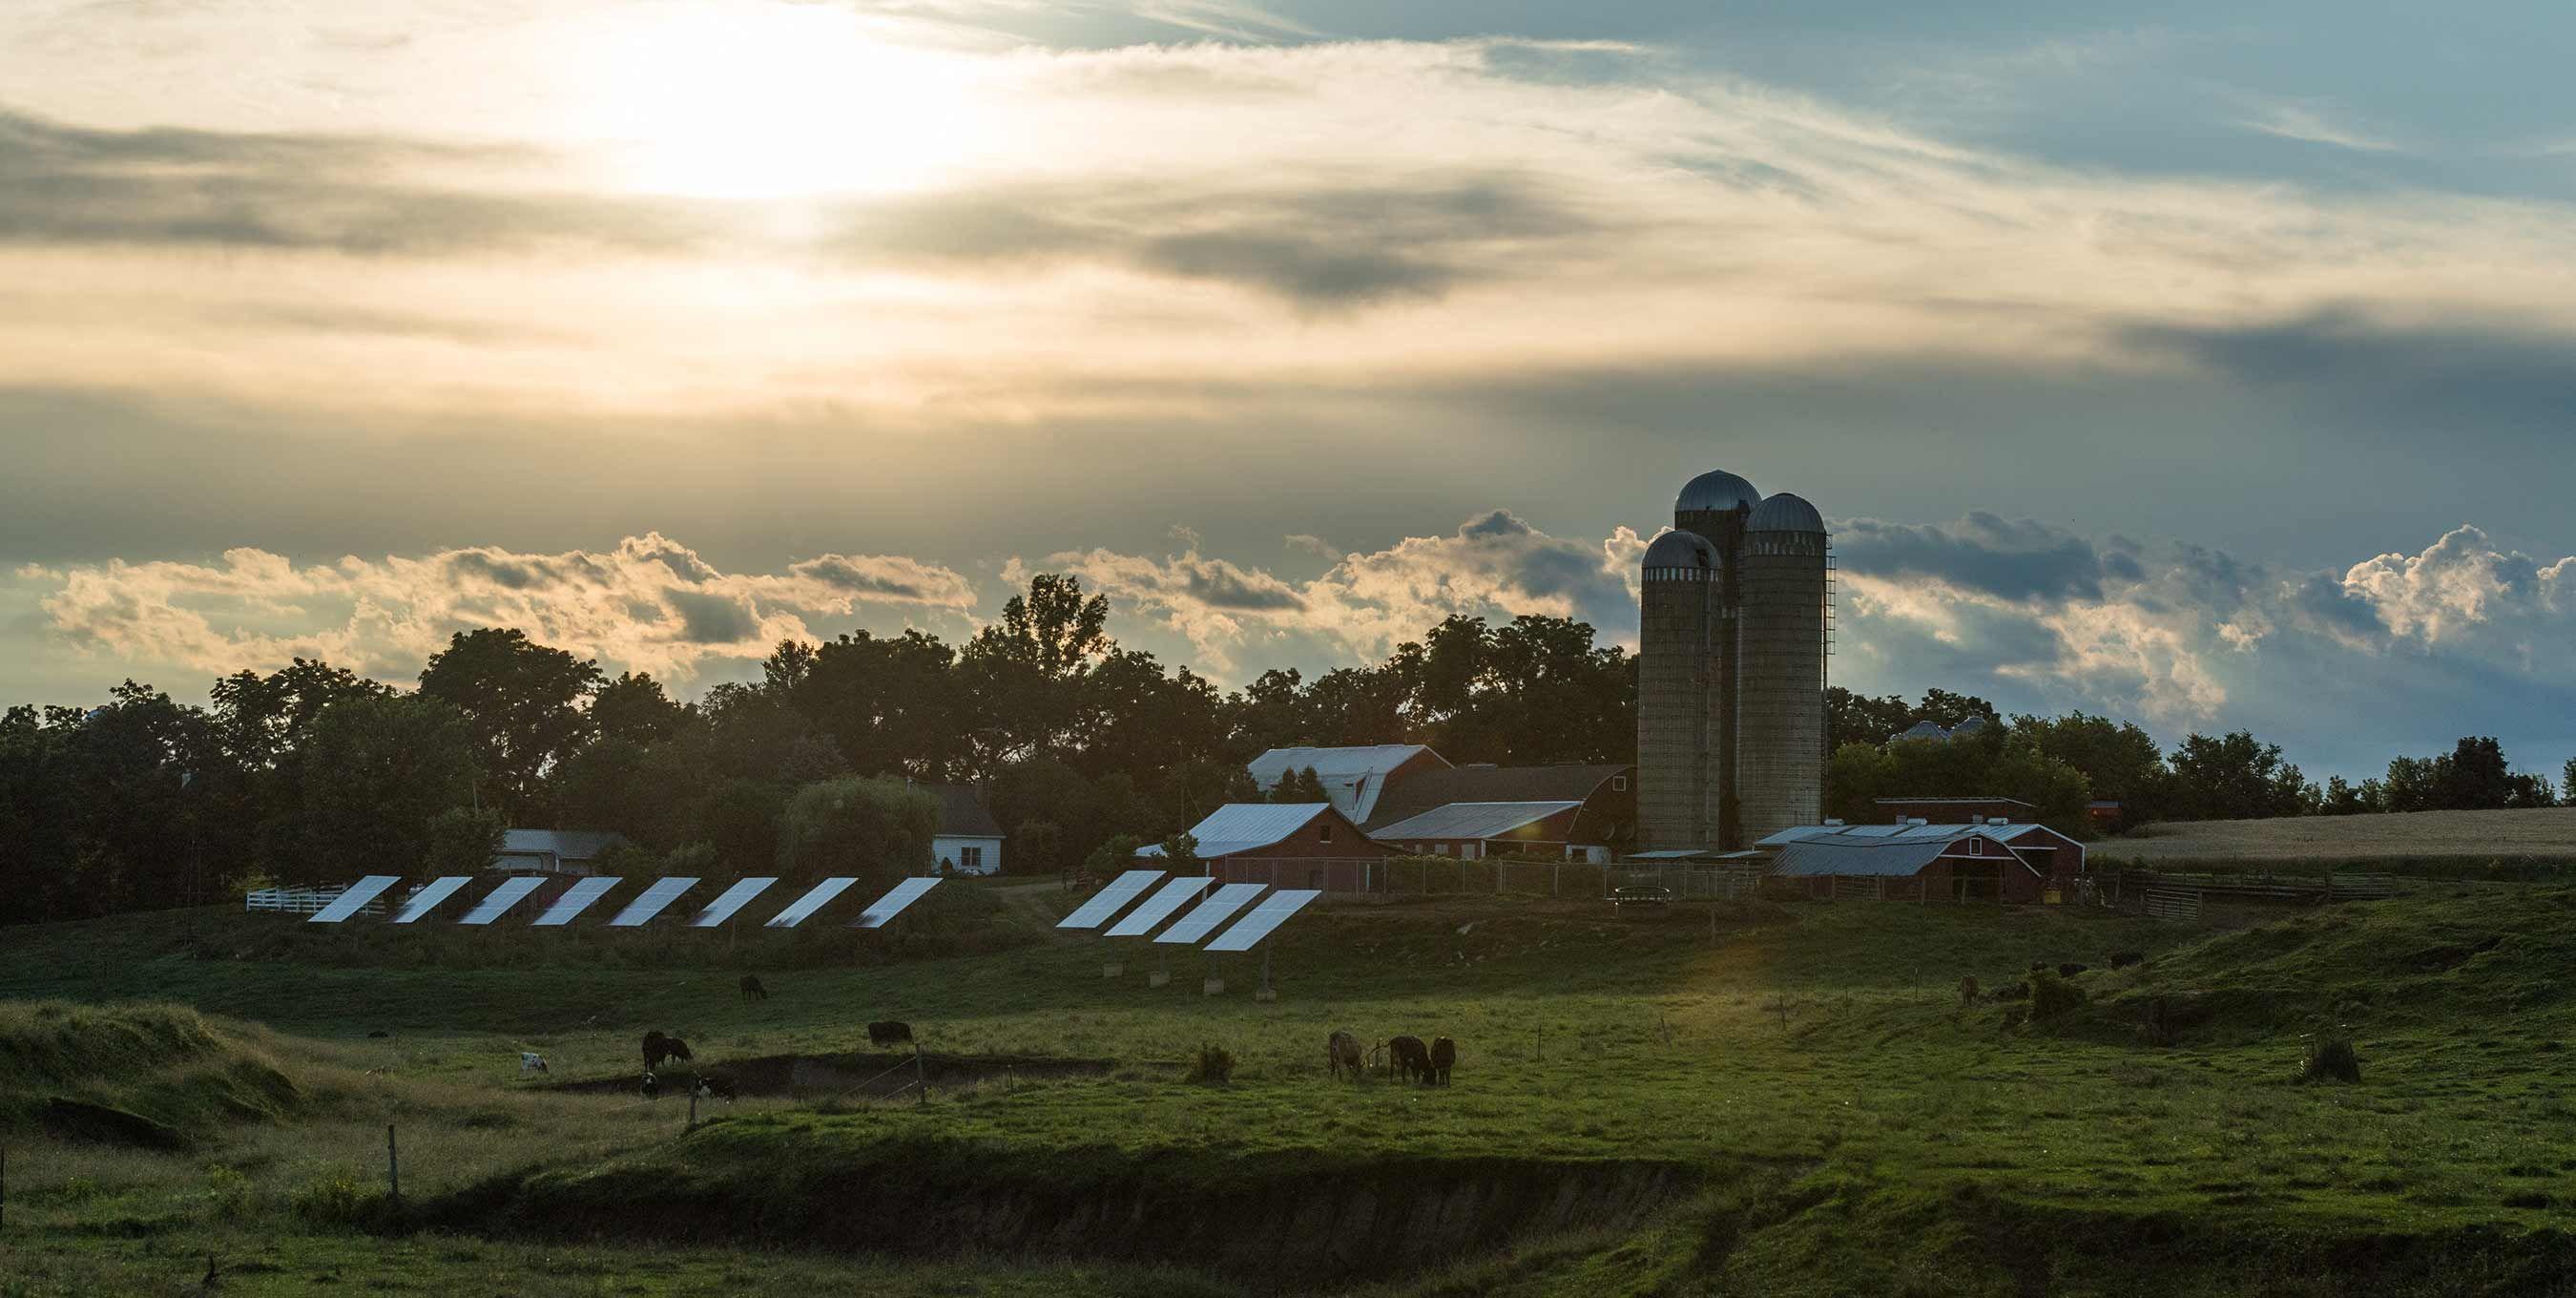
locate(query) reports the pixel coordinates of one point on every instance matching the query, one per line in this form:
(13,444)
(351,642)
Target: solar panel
(1160,906)
(501,899)
(1106,902)
(427,899)
(803,908)
(1273,911)
(733,899)
(1210,913)
(644,908)
(576,899)
(355,898)
(890,905)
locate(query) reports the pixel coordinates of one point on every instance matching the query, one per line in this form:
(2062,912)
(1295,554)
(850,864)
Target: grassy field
(2433,839)
(1765,1100)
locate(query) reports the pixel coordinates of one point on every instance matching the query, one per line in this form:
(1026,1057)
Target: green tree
(461,840)
(522,701)
(1025,672)
(2236,777)
(1037,848)
(872,829)
(634,708)
(1859,719)
(893,705)
(1181,853)
(740,823)
(2117,758)
(1115,853)
(377,771)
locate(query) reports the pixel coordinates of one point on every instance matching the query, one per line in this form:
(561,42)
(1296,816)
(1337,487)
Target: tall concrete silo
(1715,505)
(1677,666)
(1780,694)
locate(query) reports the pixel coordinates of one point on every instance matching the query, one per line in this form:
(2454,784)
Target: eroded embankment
(1281,1222)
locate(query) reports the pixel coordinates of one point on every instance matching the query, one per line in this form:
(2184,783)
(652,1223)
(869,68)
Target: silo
(1780,729)
(1677,609)
(1715,505)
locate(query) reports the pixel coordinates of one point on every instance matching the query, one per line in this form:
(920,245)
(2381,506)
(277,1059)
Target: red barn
(1285,845)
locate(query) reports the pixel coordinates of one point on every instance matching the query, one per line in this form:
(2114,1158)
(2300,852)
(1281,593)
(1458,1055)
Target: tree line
(1083,749)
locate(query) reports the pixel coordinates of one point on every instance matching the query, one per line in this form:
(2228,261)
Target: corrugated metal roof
(1352,777)
(1244,826)
(565,844)
(962,813)
(1424,790)
(1472,820)
(1888,849)
(1813,858)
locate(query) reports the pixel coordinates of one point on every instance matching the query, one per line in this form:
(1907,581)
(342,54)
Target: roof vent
(1833,820)
(1975,819)
(1997,820)
(1916,820)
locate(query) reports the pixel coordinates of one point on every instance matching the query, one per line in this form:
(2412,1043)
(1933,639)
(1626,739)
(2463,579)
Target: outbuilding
(1995,861)
(1475,830)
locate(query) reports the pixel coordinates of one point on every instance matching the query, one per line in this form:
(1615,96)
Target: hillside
(2545,835)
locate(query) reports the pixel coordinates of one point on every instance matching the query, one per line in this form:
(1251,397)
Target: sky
(2206,365)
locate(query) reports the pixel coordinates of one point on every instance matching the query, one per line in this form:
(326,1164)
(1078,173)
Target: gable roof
(1472,819)
(1890,849)
(1352,777)
(1422,791)
(1244,826)
(562,844)
(962,813)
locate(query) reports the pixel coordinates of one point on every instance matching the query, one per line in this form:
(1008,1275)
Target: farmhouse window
(970,859)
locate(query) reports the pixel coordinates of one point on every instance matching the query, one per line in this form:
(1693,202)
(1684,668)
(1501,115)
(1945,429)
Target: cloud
(2011,559)
(650,603)
(2310,126)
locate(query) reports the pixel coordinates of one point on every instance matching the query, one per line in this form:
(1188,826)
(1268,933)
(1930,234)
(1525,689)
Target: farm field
(1766,1100)
(2543,835)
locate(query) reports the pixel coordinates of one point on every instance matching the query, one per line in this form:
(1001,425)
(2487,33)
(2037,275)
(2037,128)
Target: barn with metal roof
(1353,778)
(1472,830)
(1285,845)
(1996,861)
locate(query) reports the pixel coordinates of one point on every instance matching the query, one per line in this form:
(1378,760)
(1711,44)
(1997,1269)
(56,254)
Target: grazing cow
(888,1032)
(652,1088)
(1340,1050)
(2070,969)
(1444,1053)
(658,1047)
(1405,1055)
(716,1086)
(2123,959)
(531,1062)
(752,990)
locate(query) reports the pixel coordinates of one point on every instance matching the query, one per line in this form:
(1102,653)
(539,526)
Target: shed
(968,842)
(1285,845)
(1606,790)
(1472,830)
(553,851)
(1989,862)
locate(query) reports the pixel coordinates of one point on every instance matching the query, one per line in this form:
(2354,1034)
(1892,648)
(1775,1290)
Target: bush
(335,1197)
(2051,995)
(229,1194)
(2329,1059)
(1215,1064)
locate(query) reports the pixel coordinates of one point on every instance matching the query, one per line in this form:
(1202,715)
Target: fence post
(693,1105)
(920,1078)
(393,1168)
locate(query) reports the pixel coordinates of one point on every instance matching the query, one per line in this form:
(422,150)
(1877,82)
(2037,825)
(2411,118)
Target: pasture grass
(1864,1131)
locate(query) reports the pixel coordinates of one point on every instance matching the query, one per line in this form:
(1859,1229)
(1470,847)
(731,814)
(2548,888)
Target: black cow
(888,1033)
(2070,969)
(2123,959)
(1444,1053)
(658,1047)
(1405,1055)
(752,990)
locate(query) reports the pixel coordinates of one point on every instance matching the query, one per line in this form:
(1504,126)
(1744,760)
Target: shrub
(2051,995)
(334,1197)
(2329,1059)
(229,1194)
(1214,1064)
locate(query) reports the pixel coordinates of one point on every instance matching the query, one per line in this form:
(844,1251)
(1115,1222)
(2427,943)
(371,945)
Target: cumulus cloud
(1495,564)
(650,603)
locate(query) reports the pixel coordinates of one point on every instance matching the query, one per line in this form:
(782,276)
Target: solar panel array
(803,908)
(1273,911)
(890,905)
(1210,913)
(655,900)
(427,899)
(1105,903)
(731,900)
(1159,907)
(354,898)
(500,899)
(575,900)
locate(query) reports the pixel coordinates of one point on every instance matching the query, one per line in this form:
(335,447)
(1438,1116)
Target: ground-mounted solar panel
(1273,911)
(576,899)
(501,899)
(1105,903)
(815,898)
(890,905)
(427,899)
(354,898)
(655,899)
(1159,907)
(731,900)
(1210,913)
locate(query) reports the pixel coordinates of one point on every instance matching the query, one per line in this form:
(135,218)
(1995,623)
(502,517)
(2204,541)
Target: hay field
(2544,834)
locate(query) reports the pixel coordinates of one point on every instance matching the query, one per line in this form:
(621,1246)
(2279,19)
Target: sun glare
(771,101)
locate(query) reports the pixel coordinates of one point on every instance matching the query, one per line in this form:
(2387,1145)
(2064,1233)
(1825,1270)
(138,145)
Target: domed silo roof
(1785,513)
(1716,491)
(1921,730)
(1680,550)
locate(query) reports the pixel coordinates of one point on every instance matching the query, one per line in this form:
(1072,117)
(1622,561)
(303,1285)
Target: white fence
(305,901)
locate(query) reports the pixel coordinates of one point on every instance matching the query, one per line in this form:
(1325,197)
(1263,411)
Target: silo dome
(1785,513)
(1681,550)
(1716,491)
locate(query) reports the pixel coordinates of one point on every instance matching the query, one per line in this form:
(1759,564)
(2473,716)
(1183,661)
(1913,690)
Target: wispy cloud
(2311,125)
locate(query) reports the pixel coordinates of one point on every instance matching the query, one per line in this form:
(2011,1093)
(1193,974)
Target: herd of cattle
(1407,1056)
